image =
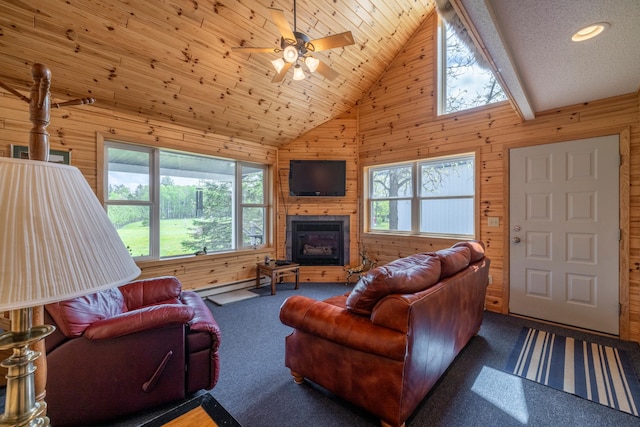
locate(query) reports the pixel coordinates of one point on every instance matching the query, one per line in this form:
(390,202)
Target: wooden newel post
(39,115)
(40,110)
(40,377)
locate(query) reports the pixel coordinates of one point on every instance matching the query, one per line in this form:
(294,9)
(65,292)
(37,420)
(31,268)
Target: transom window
(432,196)
(462,82)
(166,203)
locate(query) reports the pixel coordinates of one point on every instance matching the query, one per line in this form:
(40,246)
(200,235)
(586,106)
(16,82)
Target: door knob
(516,228)
(516,239)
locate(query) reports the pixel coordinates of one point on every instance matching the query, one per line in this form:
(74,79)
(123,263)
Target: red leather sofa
(126,349)
(384,345)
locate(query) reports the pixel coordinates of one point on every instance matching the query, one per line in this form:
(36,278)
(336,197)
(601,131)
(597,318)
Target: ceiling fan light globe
(290,54)
(312,63)
(278,64)
(298,74)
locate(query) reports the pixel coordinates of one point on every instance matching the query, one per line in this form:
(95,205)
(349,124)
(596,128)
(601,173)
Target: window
(432,197)
(252,206)
(447,193)
(166,203)
(391,197)
(463,83)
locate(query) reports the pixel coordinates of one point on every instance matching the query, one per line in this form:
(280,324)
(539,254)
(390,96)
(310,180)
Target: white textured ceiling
(530,42)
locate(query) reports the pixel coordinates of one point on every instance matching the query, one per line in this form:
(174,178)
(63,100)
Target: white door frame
(624,197)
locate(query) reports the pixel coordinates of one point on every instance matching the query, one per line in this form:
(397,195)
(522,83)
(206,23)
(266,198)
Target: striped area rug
(598,373)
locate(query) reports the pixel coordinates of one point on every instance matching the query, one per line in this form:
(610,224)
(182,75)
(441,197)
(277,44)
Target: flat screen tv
(317,178)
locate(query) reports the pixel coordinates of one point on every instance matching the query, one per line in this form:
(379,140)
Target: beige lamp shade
(56,241)
(298,74)
(312,63)
(290,54)
(278,64)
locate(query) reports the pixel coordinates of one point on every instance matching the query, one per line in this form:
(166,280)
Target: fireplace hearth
(317,240)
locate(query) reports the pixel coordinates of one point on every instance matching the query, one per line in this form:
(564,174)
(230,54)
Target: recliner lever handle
(151,383)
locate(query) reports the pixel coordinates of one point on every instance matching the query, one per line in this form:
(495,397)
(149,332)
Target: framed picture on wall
(55,156)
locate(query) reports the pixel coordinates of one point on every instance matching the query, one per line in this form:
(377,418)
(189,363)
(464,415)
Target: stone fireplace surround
(346,229)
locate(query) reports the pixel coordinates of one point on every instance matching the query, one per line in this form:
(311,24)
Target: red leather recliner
(126,349)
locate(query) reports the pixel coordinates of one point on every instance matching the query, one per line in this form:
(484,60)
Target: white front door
(564,233)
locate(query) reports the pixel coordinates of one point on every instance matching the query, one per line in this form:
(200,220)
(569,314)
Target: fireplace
(318,240)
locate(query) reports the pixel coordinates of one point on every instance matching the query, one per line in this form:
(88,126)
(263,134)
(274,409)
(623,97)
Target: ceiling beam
(481,24)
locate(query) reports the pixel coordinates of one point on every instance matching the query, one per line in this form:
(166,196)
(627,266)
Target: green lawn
(172,233)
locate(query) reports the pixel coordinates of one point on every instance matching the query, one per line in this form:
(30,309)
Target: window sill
(471,111)
(396,234)
(259,252)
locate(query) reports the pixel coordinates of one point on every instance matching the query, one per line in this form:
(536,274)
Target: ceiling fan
(297,48)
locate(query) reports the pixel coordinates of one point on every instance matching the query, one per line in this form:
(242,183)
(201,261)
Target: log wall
(395,121)
(398,122)
(335,140)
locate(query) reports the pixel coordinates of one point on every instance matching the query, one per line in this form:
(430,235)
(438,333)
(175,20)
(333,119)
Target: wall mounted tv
(317,178)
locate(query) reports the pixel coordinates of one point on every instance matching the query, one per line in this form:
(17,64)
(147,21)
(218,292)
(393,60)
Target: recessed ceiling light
(589,32)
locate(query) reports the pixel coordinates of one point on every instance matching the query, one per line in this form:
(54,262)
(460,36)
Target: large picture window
(432,197)
(166,203)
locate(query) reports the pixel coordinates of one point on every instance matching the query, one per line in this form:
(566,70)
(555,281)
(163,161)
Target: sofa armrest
(139,320)
(339,325)
(394,311)
(158,290)
(202,320)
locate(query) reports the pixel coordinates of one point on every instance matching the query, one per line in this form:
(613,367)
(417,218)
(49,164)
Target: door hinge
(619,234)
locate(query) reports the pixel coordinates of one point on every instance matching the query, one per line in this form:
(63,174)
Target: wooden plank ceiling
(171,60)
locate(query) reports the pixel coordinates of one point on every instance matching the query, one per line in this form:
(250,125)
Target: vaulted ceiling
(530,45)
(172,60)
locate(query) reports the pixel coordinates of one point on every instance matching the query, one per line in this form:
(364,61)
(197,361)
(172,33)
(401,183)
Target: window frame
(421,198)
(241,205)
(417,198)
(154,197)
(370,199)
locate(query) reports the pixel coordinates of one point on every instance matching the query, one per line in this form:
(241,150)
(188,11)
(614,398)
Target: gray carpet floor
(257,389)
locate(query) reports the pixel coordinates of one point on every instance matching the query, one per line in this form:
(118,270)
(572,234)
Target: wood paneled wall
(395,121)
(335,140)
(398,122)
(77,129)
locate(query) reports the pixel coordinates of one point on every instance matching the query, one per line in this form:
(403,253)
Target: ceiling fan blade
(255,49)
(281,22)
(326,71)
(331,42)
(280,76)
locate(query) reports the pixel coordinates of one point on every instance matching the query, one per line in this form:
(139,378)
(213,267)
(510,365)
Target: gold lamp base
(21,408)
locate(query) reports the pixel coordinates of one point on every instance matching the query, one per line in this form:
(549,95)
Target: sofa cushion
(405,275)
(475,246)
(73,316)
(453,260)
(155,291)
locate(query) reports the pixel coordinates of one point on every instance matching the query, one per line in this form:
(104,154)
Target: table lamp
(56,243)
